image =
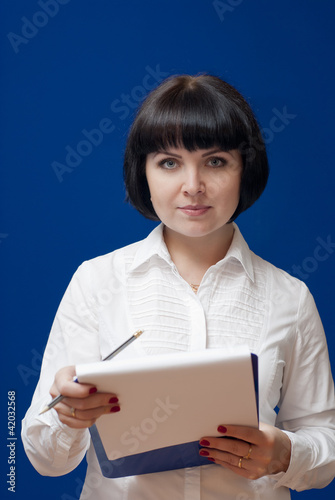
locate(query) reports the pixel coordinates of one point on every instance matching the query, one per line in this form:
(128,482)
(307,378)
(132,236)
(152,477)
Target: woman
(194,160)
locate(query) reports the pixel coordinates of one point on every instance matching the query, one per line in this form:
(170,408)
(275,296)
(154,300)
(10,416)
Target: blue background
(64,75)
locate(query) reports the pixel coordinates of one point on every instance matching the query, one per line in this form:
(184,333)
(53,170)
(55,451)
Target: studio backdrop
(72,75)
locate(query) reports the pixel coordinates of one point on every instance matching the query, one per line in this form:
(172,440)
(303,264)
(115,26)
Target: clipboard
(168,402)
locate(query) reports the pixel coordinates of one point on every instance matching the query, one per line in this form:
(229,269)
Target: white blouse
(241,300)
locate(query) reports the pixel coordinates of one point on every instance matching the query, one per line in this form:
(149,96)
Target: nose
(193,183)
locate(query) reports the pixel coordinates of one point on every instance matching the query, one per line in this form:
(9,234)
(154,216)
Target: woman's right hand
(82,404)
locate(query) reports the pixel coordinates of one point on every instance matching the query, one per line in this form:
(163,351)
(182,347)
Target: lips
(194,210)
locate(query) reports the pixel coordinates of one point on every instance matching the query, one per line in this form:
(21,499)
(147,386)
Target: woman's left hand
(252,453)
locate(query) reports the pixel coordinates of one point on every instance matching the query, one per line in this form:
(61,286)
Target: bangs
(191,118)
(194,112)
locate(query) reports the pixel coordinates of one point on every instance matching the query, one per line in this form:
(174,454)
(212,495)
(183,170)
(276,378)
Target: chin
(197,232)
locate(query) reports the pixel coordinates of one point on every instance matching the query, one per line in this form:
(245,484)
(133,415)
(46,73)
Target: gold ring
(249,453)
(240,463)
(73,412)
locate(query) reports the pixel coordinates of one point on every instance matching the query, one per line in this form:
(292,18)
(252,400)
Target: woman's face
(194,193)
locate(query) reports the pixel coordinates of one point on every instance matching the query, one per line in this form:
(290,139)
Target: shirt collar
(239,250)
(154,245)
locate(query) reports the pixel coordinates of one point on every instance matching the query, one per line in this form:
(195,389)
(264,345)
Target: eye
(168,163)
(217,162)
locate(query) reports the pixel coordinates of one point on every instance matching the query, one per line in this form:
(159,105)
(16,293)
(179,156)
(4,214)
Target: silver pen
(60,397)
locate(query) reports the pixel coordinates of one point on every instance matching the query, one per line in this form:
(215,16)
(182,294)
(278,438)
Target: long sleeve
(241,300)
(307,406)
(53,448)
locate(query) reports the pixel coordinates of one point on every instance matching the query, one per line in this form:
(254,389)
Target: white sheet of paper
(172,399)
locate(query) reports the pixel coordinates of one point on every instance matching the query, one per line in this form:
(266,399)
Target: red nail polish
(222,429)
(113,400)
(205,453)
(115,409)
(204,442)
(211,459)
(93,390)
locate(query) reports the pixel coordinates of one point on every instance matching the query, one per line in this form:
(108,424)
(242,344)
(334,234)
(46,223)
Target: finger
(90,414)
(249,434)
(233,446)
(83,418)
(75,423)
(98,399)
(64,383)
(69,388)
(264,441)
(227,458)
(249,471)
(239,465)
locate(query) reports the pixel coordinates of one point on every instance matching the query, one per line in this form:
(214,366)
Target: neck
(194,255)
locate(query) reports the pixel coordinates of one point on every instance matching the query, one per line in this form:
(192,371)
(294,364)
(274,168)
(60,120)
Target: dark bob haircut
(194,112)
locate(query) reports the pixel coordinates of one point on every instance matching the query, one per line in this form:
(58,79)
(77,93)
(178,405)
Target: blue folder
(163,459)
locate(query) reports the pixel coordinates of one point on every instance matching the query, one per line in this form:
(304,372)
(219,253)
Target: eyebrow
(212,152)
(178,156)
(162,152)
